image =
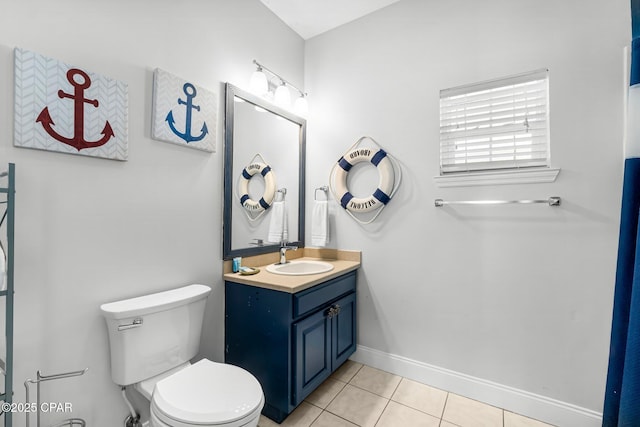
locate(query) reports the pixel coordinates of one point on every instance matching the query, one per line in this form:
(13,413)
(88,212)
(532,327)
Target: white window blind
(499,124)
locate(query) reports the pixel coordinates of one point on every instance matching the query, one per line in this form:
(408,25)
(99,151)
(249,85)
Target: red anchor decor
(77,141)
(68,109)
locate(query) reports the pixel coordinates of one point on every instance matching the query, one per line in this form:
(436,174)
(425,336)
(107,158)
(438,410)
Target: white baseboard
(532,405)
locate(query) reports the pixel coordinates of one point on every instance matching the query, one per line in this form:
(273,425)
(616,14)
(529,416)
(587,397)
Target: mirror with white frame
(259,133)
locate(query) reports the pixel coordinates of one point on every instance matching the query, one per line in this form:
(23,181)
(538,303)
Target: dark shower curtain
(622,396)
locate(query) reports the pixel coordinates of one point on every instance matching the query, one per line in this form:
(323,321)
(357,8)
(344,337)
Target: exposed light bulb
(258,83)
(301,107)
(282,97)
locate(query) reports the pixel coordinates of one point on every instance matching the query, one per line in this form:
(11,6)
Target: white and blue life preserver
(269,187)
(381,196)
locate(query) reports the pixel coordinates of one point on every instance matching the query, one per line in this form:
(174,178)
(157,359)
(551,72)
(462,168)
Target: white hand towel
(320,223)
(278,227)
(285,222)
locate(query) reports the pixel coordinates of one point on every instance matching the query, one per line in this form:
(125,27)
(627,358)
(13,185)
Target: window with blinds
(499,124)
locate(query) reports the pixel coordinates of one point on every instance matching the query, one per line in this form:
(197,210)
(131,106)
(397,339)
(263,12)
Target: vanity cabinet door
(312,354)
(343,330)
(323,342)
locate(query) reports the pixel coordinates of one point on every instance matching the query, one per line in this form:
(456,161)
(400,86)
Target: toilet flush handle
(137,322)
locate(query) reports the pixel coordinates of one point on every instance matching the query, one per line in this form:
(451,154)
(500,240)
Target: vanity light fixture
(301,107)
(281,96)
(258,83)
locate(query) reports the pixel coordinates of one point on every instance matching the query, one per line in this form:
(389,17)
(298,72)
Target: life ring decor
(269,187)
(383,193)
(390,175)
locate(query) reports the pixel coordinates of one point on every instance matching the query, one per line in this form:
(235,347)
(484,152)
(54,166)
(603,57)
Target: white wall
(520,296)
(89,230)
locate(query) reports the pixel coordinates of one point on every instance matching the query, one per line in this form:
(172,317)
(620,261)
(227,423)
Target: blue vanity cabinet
(291,342)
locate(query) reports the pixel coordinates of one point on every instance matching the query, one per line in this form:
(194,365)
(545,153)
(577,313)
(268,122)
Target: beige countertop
(343,262)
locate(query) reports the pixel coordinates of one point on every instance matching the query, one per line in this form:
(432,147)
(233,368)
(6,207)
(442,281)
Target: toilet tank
(153,333)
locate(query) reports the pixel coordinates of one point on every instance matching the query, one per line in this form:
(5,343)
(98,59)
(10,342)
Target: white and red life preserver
(269,187)
(381,196)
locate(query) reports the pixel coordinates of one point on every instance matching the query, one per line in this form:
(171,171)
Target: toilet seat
(207,394)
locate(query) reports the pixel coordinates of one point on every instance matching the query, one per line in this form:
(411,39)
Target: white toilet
(152,339)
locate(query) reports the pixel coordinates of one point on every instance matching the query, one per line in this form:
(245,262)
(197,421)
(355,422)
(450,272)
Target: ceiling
(312,17)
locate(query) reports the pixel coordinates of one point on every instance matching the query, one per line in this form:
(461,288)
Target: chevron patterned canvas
(59,107)
(183,113)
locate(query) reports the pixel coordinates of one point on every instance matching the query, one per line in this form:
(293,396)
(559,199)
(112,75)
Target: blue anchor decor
(190,91)
(183,113)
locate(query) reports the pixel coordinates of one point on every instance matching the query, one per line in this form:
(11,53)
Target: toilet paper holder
(38,406)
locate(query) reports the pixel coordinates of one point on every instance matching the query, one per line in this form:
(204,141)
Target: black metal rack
(8,223)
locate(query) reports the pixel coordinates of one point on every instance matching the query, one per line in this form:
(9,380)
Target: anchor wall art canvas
(183,113)
(59,107)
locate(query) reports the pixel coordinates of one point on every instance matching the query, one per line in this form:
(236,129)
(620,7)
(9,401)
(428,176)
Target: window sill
(522,176)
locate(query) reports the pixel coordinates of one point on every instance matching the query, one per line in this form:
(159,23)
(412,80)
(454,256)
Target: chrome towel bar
(551,201)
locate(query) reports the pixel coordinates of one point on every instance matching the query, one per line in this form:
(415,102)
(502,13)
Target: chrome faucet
(283,252)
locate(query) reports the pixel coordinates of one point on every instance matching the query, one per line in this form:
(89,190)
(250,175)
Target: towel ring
(325,189)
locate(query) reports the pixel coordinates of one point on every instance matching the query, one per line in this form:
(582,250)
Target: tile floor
(357,395)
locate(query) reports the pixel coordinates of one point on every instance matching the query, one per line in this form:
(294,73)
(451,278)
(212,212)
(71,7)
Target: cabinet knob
(333,311)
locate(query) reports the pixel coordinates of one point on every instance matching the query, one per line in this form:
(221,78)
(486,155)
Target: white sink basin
(300,268)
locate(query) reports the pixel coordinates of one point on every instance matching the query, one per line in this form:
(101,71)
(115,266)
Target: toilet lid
(208,393)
